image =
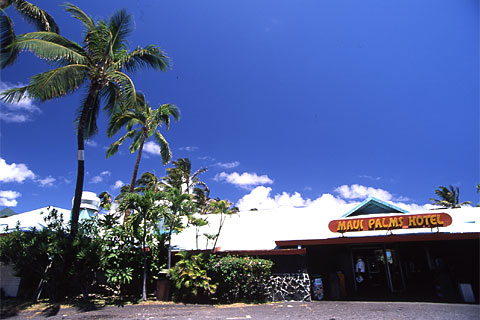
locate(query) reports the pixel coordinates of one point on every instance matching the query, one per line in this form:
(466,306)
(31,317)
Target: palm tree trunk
(135,168)
(89,103)
(134,176)
(144,291)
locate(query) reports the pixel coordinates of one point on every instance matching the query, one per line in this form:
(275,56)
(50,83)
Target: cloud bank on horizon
(260,198)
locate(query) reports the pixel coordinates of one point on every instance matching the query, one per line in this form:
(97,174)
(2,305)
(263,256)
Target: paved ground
(329,310)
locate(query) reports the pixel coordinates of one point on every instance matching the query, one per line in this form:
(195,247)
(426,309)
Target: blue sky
(286,102)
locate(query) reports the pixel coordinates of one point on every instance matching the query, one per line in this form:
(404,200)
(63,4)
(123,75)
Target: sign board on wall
(391,222)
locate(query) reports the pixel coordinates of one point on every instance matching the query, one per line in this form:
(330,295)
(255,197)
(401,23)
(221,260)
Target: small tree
(224,208)
(147,211)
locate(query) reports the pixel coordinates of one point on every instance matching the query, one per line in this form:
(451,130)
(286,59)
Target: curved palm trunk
(135,168)
(134,176)
(89,103)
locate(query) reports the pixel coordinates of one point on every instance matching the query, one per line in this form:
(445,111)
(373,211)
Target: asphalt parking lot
(330,310)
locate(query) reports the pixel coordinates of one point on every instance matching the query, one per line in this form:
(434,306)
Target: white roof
(258,230)
(31,219)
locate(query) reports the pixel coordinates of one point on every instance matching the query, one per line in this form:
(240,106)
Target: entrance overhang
(413,237)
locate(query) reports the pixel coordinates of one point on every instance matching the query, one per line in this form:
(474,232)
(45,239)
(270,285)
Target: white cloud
(19,112)
(96,179)
(188,148)
(356,191)
(152,148)
(366,176)
(8,198)
(13,117)
(206,158)
(227,165)
(118,184)
(261,199)
(47,182)
(244,180)
(14,172)
(91,143)
(99,178)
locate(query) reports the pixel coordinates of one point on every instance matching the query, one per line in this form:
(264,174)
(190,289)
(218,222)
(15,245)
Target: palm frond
(164,112)
(8,55)
(140,58)
(97,41)
(117,121)
(138,139)
(90,125)
(165,152)
(126,87)
(40,18)
(110,96)
(77,13)
(50,46)
(14,95)
(57,82)
(113,148)
(121,25)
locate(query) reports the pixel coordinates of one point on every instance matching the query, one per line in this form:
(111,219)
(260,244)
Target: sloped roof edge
(377,202)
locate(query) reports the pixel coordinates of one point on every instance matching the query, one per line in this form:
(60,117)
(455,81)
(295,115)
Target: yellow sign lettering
(411,221)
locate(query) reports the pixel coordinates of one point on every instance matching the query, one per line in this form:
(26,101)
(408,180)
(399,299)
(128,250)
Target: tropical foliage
(189,276)
(180,176)
(100,64)
(142,122)
(240,278)
(448,197)
(31,13)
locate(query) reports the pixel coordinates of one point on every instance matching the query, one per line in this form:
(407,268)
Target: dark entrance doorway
(383,272)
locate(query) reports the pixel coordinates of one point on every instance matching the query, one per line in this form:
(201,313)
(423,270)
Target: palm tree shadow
(51,310)
(11,308)
(86,306)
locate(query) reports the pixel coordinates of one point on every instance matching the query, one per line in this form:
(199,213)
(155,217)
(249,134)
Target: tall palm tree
(30,12)
(181,177)
(449,197)
(147,212)
(142,122)
(99,64)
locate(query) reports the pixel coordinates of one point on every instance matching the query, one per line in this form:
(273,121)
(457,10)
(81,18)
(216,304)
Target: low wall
(289,287)
(8,281)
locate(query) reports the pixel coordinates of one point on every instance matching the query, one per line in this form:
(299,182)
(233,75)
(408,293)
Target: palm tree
(449,197)
(142,122)
(149,181)
(105,200)
(100,63)
(147,212)
(181,177)
(179,205)
(30,12)
(224,208)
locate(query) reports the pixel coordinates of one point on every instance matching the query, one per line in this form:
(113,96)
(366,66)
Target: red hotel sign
(391,222)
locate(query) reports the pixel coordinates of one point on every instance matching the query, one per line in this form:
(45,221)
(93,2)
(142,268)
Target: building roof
(31,219)
(372,205)
(262,230)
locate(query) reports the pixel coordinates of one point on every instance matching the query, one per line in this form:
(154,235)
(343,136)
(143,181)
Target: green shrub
(240,278)
(190,279)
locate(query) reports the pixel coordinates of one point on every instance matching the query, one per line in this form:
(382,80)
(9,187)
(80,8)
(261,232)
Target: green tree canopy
(100,64)
(448,197)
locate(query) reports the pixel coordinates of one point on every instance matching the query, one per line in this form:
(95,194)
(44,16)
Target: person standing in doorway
(360,270)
